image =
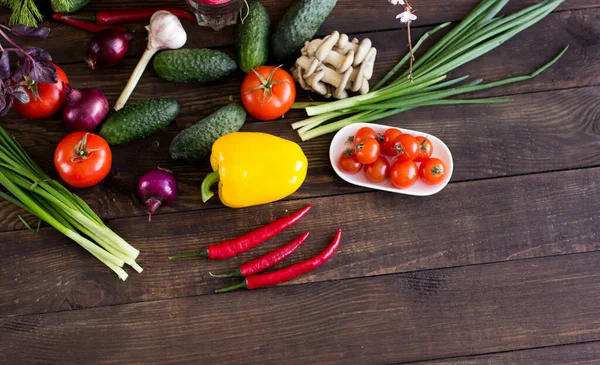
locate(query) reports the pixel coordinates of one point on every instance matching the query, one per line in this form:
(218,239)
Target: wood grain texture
(381,320)
(537,132)
(529,124)
(349,16)
(468,223)
(577,354)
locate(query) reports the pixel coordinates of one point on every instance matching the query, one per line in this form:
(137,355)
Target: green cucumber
(196,141)
(193,65)
(252,38)
(139,120)
(298,25)
(68,6)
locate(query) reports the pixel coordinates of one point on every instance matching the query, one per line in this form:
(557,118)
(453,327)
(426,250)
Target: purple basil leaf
(5,103)
(21,95)
(22,70)
(4,65)
(43,73)
(39,55)
(24,31)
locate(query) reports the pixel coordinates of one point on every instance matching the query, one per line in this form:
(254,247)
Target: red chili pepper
(227,249)
(283,275)
(264,262)
(85,25)
(132,15)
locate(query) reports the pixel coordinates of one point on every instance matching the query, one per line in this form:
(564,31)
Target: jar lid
(213,2)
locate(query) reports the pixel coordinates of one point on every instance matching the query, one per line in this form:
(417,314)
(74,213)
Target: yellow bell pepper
(254,168)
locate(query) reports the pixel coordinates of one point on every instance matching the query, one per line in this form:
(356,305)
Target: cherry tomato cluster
(369,153)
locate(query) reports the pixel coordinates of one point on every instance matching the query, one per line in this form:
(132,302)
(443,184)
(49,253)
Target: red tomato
(378,170)
(51,98)
(362,134)
(425,149)
(432,171)
(406,147)
(367,152)
(348,163)
(403,174)
(270,98)
(82,159)
(387,145)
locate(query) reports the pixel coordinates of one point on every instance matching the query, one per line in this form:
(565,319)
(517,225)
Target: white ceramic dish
(440,150)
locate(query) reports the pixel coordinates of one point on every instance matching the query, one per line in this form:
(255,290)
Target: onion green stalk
(28,187)
(480,32)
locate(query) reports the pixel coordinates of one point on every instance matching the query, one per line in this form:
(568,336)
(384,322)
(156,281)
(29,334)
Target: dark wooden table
(501,267)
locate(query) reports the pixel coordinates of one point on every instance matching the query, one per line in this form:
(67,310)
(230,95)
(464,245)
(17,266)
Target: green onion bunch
(480,32)
(28,187)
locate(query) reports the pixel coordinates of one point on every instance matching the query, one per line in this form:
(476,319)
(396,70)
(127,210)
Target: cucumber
(68,6)
(139,120)
(193,65)
(252,38)
(299,24)
(196,141)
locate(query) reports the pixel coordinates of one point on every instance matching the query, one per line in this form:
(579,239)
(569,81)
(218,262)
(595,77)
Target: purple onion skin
(157,188)
(84,109)
(107,48)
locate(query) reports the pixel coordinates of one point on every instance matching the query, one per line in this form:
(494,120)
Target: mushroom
(332,65)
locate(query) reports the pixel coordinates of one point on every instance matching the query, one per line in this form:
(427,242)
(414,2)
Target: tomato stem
(266,85)
(81,153)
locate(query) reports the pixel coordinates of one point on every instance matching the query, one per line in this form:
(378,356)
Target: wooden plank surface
(580,354)
(529,124)
(381,320)
(498,268)
(490,220)
(349,16)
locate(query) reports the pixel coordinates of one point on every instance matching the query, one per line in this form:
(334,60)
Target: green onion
(480,32)
(28,187)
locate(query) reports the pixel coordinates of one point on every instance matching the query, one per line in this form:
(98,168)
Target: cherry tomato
(403,174)
(387,145)
(82,159)
(378,170)
(362,134)
(432,171)
(406,147)
(425,149)
(51,97)
(271,97)
(348,163)
(367,152)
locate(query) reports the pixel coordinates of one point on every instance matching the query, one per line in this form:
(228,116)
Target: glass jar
(216,13)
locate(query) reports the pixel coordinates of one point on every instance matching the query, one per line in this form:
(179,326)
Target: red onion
(157,188)
(107,48)
(84,109)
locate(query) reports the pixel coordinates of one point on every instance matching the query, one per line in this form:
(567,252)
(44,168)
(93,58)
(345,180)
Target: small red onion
(157,188)
(107,48)
(84,109)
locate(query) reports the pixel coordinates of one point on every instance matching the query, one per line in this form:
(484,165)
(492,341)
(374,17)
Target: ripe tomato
(269,96)
(378,170)
(367,152)
(362,134)
(406,147)
(403,174)
(387,145)
(348,163)
(425,149)
(51,98)
(82,159)
(432,171)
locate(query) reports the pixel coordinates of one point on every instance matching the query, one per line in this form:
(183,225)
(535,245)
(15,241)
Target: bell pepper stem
(237,286)
(208,181)
(235,274)
(203,254)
